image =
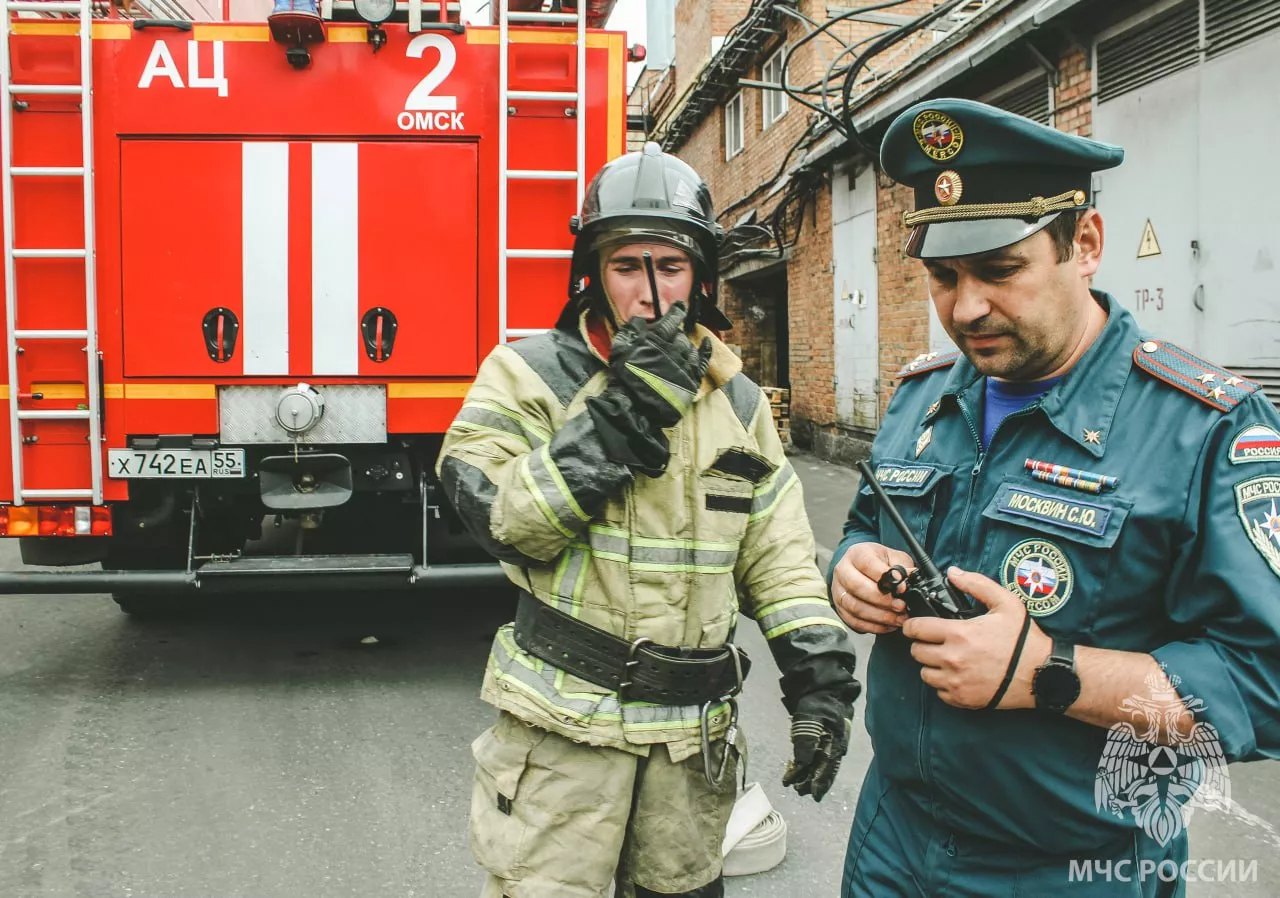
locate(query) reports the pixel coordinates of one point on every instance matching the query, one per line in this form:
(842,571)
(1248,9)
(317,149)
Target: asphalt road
(266,750)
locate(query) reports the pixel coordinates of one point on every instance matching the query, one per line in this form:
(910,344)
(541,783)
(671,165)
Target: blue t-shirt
(1003,398)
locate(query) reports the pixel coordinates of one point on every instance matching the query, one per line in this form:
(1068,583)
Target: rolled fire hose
(756,837)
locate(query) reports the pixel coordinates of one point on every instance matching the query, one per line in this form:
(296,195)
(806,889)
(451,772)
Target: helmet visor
(621,235)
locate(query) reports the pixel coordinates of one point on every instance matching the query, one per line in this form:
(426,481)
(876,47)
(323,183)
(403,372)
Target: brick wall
(693,41)
(1073,99)
(903,296)
(724,14)
(697,21)
(810,289)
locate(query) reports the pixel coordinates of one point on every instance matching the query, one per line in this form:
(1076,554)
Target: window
(775,101)
(733,127)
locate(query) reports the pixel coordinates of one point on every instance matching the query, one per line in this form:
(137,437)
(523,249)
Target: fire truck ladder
(14,337)
(505,96)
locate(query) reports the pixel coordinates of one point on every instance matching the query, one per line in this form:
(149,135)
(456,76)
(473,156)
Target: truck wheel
(148,607)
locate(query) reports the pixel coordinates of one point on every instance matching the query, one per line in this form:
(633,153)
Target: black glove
(658,365)
(626,436)
(819,740)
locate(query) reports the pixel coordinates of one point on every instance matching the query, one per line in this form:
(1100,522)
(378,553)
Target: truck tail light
(49,520)
(99,520)
(23,521)
(55,520)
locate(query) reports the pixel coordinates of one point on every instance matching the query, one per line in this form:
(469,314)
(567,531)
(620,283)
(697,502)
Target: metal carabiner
(737,669)
(730,736)
(731,731)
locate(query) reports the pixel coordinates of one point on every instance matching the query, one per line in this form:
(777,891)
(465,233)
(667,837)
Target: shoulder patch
(744,396)
(1256,502)
(929,361)
(1257,442)
(1192,375)
(562,360)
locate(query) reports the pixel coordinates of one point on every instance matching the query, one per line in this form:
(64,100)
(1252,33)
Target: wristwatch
(1056,684)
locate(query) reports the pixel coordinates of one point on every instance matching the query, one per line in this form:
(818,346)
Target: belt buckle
(630,663)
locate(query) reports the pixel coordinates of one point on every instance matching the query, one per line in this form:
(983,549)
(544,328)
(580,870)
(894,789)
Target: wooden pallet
(780,404)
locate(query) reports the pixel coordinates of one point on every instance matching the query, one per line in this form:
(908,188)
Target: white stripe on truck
(265,236)
(335,266)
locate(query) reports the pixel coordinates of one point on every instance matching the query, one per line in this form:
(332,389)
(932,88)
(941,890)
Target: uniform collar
(1083,404)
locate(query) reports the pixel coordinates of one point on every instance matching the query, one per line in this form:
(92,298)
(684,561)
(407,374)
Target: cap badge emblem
(948,188)
(938,134)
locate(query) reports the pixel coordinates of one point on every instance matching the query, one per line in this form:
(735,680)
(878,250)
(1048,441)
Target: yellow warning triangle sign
(1150,245)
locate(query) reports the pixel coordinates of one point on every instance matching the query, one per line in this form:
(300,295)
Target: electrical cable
(850,132)
(825,109)
(800,188)
(836,123)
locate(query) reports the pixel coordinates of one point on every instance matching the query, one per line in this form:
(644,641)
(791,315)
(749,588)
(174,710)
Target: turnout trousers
(554,818)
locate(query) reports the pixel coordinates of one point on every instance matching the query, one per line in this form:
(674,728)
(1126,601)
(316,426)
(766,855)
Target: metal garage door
(857,352)
(1189,92)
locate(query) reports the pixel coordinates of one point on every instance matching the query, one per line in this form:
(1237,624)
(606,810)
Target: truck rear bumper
(291,573)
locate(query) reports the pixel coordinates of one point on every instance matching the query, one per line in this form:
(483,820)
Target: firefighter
(630,478)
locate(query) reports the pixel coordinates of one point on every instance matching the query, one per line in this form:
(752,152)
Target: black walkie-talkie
(925,590)
(653,285)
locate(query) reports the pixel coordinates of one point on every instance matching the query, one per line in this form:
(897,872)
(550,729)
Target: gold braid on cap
(1036,207)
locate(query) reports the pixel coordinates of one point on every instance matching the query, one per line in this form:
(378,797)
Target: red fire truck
(250,270)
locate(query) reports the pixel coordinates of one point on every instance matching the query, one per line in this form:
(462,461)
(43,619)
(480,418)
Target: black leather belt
(638,671)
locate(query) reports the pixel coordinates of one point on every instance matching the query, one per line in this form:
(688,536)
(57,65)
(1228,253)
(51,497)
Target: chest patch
(1255,443)
(923,442)
(1038,572)
(1087,517)
(906,478)
(1258,503)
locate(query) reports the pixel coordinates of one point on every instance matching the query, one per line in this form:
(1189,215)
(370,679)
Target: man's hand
(820,731)
(658,365)
(966,660)
(858,599)
(627,438)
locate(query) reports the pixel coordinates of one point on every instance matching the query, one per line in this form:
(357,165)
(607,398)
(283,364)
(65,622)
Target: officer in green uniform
(1112,505)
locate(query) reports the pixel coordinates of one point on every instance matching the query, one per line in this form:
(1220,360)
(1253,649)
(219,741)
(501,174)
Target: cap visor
(950,239)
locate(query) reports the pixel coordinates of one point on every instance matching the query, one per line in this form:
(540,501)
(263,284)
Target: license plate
(181,463)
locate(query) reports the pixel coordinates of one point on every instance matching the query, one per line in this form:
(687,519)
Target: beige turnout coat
(677,558)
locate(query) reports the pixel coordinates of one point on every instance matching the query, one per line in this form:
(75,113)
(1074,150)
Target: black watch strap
(1056,685)
(1063,652)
